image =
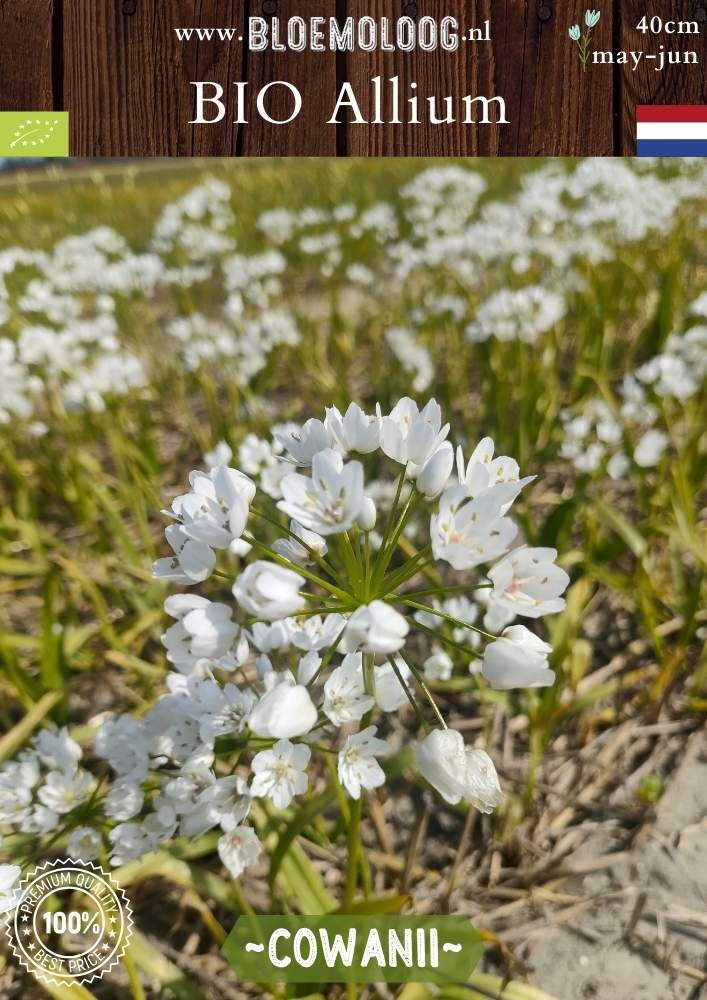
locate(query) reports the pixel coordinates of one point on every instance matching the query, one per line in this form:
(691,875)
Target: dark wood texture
(26,55)
(127,78)
(120,70)
(314,75)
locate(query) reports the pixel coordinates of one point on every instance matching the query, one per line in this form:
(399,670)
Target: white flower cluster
(44,786)
(317,641)
(448,253)
(342,644)
(628,432)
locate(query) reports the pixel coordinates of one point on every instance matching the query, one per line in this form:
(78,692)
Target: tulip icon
(591,19)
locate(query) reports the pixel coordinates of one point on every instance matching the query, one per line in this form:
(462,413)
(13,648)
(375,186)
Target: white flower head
(215,511)
(528,582)
(376,628)
(518,659)
(438,666)
(345,699)
(239,848)
(269,590)
(84,844)
(330,500)
(412,436)
(291,548)
(9,877)
(192,561)
(280,773)
(285,711)
(304,443)
(466,533)
(355,431)
(357,764)
(457,772)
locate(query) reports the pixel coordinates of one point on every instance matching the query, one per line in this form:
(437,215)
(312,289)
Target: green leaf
(50,653)
(20,733)
(302,818)
(631,536)
(300,880)
(377,905)
(157,966)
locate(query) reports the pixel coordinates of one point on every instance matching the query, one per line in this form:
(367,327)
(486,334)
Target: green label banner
(358,949)
(34,133)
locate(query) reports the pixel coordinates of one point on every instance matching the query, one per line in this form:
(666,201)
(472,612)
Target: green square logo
(34,133)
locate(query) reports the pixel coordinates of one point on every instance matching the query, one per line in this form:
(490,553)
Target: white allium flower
(220,711)
(62,791)
(317,632)
(192,561)
(9,877)
(84,844)
(215,512)
(56,749)
(376,628)
(124,743)
(124,800)
(308,667)
(357,764)
(438,666)
(291,549)
(482,788)
(355,431)
(221,455)
(280,772)
(389,692)
(518,659)
(650,448)
(434,474)
(269,590)
(304,443)
(238,849)
(345,699)
(412,436)
(483,471)
(528,582)
(285,711)
(330,500)
(467,533)
(204,629)
(457,772)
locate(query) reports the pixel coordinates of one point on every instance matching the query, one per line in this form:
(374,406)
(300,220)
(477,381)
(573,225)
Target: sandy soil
(646,938)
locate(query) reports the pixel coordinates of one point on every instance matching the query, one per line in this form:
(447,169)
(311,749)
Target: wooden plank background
(118,67)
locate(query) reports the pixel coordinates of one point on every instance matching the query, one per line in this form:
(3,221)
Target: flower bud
(367,514)
(285,711)
(436,471)
(517,659)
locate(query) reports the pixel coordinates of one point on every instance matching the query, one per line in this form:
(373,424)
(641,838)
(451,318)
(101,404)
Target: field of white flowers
(352,541)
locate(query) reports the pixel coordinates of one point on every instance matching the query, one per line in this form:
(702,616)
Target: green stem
(425,690)
(467,650)
(457,589)
(457,622)
(288,531)
(301,570)
(410,697)
(353,860)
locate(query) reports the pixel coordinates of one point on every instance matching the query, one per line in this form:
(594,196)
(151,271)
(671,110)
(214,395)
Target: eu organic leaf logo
(34,133)
(591,19)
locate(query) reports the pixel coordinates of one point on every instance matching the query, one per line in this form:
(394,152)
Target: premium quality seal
(72,922)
